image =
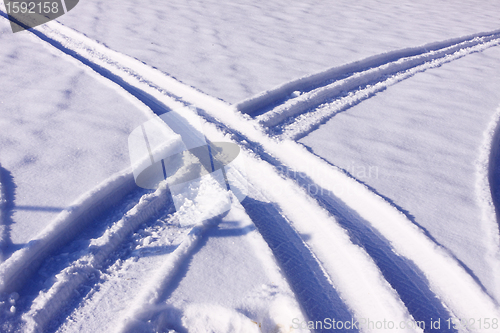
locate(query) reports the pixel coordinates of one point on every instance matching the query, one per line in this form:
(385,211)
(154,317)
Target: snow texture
(368,190)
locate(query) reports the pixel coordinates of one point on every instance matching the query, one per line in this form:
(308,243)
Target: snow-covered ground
(63,129)
(420,144)
(365,190)
(236,49)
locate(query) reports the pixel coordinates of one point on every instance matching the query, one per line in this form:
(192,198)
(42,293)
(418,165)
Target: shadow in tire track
(8,194)
(314,292)
(404,276)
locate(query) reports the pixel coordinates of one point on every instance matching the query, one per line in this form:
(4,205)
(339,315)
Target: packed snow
(361,192)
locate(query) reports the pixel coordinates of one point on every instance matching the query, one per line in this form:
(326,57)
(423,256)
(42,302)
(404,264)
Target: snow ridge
(3,224)
(447,279)
(19,267)
(280,94)
(48,303)
(294,118)
(487,190)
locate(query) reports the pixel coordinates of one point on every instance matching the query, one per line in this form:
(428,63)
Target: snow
(236,49)
(3,219)
(425,150)
(255,285)
(374,73)
(62,132)
(365,186)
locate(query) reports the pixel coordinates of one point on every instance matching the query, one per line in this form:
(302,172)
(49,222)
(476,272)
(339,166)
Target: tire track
(403,275)
(488,189)
(49,303)
(339,88)
(352,272)
(95,203)
(266,100)
(491,166)
(4,231)
(307,122)
(291,154)
(161,93)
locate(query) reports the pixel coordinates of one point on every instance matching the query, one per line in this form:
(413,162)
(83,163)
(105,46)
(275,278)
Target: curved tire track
(47,304)
(344,86)
(488,190)
(266,100)
(23,263)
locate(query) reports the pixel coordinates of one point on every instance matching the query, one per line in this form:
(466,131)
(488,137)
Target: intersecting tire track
(176,92)
(42,312)
(158,102)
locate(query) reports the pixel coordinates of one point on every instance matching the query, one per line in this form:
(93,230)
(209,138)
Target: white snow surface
(418,144)
(366,174)
(236,49)
(62,131)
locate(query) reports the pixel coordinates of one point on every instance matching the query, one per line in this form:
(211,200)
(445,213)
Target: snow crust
(392,202)
(427,138)
(236,49)
(62,131)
